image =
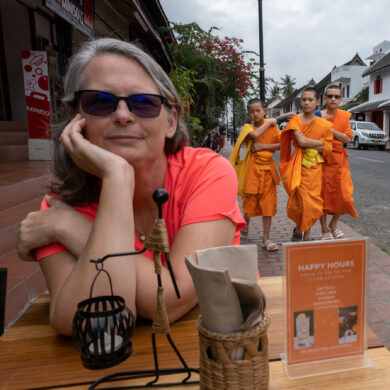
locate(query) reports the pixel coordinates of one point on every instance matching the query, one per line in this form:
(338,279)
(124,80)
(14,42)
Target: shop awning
(368,106)
(386,104)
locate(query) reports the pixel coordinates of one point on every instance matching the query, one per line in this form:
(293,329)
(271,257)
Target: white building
(349,77)
(379,51)
(377,109)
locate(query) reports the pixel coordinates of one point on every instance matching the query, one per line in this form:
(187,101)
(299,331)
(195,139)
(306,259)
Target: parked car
(367,134)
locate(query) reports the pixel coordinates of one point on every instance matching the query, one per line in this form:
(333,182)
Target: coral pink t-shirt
(202,186)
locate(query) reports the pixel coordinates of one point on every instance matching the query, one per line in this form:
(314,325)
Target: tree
(274,90)
(219,69)
(287,83)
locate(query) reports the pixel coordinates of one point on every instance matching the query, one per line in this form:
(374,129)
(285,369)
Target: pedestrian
(301,171)
(261,176)
(125,137)
(337,187)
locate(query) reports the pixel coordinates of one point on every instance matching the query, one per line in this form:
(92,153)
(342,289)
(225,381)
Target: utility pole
(262,79)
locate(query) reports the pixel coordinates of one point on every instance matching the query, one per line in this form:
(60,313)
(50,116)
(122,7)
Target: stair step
(21,181)
(13,126)
(25,283)
(13,152)
(13,138)
(10,219)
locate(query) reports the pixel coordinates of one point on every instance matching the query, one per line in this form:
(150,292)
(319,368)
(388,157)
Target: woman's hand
(87,156)
(54,224)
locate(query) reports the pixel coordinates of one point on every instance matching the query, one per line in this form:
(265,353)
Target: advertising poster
(36,90)
(325,295)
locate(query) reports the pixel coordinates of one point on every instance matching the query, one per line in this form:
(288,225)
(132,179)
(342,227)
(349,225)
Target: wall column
(386,121)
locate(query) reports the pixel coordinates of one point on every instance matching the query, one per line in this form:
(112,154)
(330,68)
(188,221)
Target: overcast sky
(303,38)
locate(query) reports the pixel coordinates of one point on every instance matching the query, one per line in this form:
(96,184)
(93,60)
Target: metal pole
(234,122)
(262,79)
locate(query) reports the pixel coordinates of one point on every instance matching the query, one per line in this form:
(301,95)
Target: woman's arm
(188,239)
(69,277)
(53,225)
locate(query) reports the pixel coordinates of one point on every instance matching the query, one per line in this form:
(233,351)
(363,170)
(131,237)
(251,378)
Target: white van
(367,134)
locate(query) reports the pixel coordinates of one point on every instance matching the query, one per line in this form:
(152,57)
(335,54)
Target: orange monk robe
(303,184)
(262,178)
(337,187)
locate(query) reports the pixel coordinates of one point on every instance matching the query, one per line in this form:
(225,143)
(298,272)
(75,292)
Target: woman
(126,137)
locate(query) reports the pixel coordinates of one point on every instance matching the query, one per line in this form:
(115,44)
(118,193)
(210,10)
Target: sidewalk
(271,263)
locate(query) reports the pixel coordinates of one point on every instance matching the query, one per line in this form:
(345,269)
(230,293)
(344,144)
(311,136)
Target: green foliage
(240,112)
(183,80)
(287,84)
(208,71)
(360,98)
(195,129)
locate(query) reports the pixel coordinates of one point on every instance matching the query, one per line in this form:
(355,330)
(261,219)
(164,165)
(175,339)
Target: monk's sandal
(297,236)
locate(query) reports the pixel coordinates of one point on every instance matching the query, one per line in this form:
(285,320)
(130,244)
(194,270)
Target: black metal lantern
(102,328)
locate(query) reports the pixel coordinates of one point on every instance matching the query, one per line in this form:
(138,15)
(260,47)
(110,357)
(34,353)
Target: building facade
(56,28)
(377,108)
(349,77)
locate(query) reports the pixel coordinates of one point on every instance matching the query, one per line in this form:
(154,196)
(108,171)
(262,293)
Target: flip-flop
(269,245)
(337,234)
(326,236)
(244,232)
(296,236)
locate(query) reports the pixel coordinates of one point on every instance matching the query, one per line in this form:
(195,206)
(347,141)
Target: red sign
(36,90)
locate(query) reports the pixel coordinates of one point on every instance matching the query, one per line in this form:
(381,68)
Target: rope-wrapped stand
(218,371)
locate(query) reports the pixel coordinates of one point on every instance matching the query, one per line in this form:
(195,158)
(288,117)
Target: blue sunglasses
(100,103)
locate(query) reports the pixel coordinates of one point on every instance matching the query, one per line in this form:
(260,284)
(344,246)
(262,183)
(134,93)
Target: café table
(33,356)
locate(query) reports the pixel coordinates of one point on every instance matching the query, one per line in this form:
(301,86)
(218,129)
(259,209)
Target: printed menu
(325,295)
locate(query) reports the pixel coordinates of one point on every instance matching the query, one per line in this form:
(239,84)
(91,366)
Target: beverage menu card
(325,296)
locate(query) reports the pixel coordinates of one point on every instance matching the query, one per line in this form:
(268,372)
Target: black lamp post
(262,79)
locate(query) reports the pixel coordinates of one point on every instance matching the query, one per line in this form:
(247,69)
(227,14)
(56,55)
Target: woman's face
(138,140)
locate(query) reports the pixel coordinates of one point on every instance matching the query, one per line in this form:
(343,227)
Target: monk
(337,187)
(261,178)
(301,171)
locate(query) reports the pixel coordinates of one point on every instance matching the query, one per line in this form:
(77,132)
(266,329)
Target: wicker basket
(223,373)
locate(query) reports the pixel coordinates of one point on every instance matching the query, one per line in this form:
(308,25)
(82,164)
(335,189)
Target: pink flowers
(216,58)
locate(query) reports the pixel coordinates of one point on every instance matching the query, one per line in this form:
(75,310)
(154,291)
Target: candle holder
(102,327)
(102,345)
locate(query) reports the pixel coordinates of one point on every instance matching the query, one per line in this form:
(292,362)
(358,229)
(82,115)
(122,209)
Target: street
(371,179)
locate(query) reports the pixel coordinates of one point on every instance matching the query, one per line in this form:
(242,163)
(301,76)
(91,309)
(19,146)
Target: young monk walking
(261,176)
(301,171)
(337,187)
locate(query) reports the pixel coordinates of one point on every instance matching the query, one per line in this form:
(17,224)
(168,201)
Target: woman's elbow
(62,326)
(62,321)
(181,308)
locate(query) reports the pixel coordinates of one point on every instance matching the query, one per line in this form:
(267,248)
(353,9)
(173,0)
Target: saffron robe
(234,158)
(337,187)
(302,184)
(262,177)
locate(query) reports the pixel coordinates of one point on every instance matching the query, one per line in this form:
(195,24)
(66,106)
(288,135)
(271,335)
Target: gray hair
(74,185)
